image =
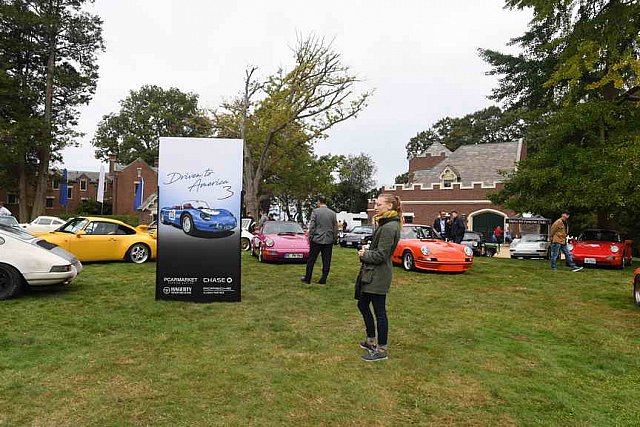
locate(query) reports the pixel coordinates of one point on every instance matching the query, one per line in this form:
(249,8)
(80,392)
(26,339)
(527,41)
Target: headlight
(60,269)
(425,250)
(614,249)
(468,251)
(268,242)
(475,244)
(204,216)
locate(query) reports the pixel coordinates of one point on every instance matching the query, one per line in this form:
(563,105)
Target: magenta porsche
(280,241)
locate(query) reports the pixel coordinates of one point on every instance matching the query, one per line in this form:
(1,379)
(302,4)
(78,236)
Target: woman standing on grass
(375,275)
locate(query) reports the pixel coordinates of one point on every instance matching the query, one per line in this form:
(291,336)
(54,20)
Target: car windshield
(195,204)
(275,227)
(9,220)
(471,237)
(600,236)
(362,230)
(534,238)
(418,232)
(17,232)
(74,225)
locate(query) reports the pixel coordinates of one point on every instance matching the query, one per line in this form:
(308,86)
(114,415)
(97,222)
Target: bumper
(611,260)
(46,279)
(285,254)
(542,253)
(444,266)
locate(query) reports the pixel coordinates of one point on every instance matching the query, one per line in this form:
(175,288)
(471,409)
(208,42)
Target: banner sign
(199,185)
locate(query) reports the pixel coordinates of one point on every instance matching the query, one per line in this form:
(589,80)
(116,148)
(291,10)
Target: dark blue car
(195,216)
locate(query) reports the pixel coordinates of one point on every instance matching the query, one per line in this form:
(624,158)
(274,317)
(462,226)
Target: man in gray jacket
(323,232)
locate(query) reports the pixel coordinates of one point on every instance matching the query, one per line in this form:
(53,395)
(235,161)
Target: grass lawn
(507,343)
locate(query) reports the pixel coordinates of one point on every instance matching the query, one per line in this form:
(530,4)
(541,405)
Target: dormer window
(448,177)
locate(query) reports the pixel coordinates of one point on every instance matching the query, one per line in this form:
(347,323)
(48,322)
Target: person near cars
(559,232)
(4,211)
(263,218)
(457,227)
(375,276)
(441,225)
(323,232)
(499,234)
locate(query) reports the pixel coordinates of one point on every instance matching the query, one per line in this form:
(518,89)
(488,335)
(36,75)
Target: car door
(97,243)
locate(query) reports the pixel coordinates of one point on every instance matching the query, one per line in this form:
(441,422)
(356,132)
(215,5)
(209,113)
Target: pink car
(280,241)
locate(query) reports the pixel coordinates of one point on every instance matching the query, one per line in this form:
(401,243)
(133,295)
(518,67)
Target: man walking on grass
(559,232)
(323,231)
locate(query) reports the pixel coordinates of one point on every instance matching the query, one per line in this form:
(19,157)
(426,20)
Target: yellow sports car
(103,239)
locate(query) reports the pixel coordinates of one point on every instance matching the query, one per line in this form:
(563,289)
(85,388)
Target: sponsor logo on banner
(200,182)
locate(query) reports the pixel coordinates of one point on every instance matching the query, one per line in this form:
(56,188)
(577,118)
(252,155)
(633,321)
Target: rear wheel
(10,282)
(408,263)
(636,291)
(138,253)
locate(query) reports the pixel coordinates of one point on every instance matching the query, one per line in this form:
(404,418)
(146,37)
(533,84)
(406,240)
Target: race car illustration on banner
(197,217)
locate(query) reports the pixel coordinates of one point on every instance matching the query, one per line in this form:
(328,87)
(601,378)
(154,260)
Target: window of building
(448,177)
(84,199)
(83,185)
(12,199)
(49,203)
(69,192)
(56,183)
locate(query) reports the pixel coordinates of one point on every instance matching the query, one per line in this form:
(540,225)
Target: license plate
(589,260)
(293,255)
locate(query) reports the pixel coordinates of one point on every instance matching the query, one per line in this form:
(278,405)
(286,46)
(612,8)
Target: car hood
(595,247)
(296,241)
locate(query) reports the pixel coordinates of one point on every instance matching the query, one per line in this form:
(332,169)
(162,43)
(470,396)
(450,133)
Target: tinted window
(101,228)
(125,230)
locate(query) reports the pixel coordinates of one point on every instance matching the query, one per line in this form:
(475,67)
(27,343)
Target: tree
(47,69)
(402,178)
(485,126)
(146,115)
(578,59)
(315,95)
(356,175)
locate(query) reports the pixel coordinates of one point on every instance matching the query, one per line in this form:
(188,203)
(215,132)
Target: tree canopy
(146,115)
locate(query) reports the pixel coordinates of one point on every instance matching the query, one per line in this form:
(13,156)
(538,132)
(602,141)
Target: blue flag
(137,200)
(64,196)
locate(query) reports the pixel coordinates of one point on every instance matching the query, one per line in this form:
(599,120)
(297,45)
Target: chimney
(112,163)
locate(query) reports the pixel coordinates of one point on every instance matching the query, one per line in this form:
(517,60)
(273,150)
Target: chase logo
(166,290)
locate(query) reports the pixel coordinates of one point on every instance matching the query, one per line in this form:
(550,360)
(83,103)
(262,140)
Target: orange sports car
(421,247)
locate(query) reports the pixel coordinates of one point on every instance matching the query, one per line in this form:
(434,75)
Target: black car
(475,241)
(357,237)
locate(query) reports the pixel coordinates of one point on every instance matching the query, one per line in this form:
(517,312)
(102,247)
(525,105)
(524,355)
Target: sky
(420,57)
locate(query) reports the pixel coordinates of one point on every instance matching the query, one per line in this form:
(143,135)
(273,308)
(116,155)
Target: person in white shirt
(4,211)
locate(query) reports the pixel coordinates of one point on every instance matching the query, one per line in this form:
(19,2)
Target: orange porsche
(420,247)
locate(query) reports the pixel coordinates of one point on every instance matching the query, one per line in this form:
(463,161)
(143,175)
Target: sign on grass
(200,183)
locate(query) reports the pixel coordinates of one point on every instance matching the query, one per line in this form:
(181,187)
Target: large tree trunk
(24,211)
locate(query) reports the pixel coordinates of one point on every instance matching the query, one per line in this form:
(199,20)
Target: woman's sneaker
(374,356)
(368,346)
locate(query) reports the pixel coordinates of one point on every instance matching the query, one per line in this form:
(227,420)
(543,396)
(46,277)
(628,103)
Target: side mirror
(80,233)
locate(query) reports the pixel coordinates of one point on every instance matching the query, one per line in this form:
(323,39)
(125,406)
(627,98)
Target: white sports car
(530,246)
(246,237)
(29,260)
(43,224)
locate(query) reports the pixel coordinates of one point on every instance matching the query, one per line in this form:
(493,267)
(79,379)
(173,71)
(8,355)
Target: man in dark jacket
(323,232)
(457,227)
(442,226)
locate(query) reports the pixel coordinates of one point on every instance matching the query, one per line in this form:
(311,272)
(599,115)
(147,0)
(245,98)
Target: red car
(280,241)
(601,247)
(636,286)
(420,247)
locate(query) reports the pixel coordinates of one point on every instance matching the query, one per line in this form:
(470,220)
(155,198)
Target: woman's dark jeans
(380,311)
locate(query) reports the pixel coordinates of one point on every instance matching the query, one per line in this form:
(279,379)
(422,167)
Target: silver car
(530,246)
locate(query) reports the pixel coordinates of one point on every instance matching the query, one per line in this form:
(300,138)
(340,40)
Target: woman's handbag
(365,276)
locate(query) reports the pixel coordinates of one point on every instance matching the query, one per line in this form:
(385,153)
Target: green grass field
(507,343)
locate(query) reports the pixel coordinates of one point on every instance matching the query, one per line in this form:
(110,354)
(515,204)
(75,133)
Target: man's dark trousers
(314,250)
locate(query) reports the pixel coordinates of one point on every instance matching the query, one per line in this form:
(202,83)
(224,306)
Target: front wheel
(187,225)
(408,262)
(245,244)
(636,291)
(138,253)
(10,282)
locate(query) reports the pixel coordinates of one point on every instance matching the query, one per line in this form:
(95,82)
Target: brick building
(440,179)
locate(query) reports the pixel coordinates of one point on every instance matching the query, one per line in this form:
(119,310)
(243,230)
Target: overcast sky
(419,56)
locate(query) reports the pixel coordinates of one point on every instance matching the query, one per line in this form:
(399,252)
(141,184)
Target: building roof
(436,149)
(475,163)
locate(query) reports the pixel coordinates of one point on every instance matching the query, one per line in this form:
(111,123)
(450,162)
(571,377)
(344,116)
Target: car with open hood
(104,239)
(599,247)
(421,247)
(280,241)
